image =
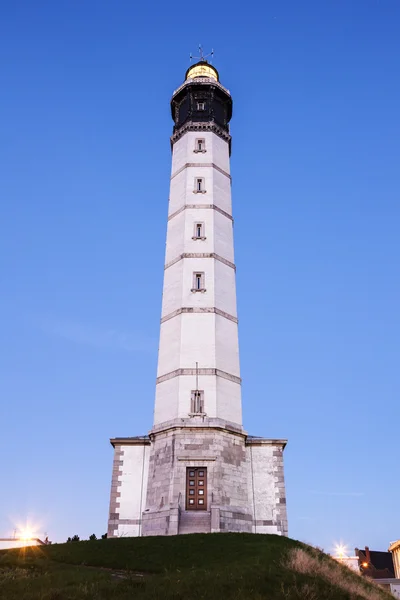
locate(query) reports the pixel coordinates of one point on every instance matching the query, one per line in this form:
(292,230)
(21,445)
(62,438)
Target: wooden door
(196,488)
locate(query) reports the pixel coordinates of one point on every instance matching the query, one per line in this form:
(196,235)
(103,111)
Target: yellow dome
(202,70)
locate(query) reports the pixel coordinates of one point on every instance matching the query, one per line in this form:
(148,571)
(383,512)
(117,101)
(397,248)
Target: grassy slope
(234,566)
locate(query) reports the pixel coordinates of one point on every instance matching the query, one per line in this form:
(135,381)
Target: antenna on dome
(202,56)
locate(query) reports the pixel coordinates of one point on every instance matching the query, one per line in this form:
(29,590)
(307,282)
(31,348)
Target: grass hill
(223,566)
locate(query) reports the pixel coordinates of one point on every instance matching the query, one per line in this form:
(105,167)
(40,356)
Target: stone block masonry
(245,489)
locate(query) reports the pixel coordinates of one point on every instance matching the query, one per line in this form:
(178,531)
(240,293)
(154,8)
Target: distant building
(374,564)
(394,548)
(349,561)
(10,543)
(390,585)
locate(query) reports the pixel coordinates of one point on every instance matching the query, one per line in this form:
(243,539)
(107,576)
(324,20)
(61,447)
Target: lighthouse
(198,470)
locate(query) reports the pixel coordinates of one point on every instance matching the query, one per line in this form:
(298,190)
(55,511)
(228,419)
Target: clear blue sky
(85,165)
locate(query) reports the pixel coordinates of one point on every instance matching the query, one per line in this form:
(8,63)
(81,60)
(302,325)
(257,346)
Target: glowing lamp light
(365,564)
(26,530)
(341,550)
(26,534)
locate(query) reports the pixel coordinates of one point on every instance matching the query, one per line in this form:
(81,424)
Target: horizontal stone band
(228,263)
(117,521)
(196,309)
(200,165)
(212,206)
(217,372)
(265,523)
(193,458)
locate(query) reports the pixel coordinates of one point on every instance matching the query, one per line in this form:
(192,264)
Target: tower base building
(198,470)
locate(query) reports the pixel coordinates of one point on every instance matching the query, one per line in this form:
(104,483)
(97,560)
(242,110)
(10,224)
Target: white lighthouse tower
(198,470)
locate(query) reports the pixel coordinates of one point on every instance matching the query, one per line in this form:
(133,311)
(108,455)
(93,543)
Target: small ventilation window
(200,145)
(197,402)
(198,232)
(198,282)
(201,105)
(199,185)
(198,278)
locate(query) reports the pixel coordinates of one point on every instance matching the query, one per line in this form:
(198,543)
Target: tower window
(199,185)
(197,402)
(200,145)
(198,232)
(198,282)
(201,105)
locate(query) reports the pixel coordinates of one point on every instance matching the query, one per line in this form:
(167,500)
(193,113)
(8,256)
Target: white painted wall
(396,557)
(395,589)
(8,543)
(351,562)
(175,237)
(167,400)
(221,191)
(204,337)
(262,486)
(197,340)
(172,292)
(225,288)
(169,355)
(229,404)
(217,151)
(177,194)
(226,346)
(132,487)
(223,236)
(207,383)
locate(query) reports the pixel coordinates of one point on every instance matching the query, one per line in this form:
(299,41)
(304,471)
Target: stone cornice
(200,126)
(180,372)
(200,255)
(213,165)
(258,441)
(206,424)
(212,206)
(197,80)
(211,423)
(130,441)
(198,309)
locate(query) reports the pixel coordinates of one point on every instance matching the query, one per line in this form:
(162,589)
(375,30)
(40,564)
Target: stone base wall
(221,451)
(162,522)
(233,520)
(245,481)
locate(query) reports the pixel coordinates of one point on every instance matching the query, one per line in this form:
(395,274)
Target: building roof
(380,564)
(138,440)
